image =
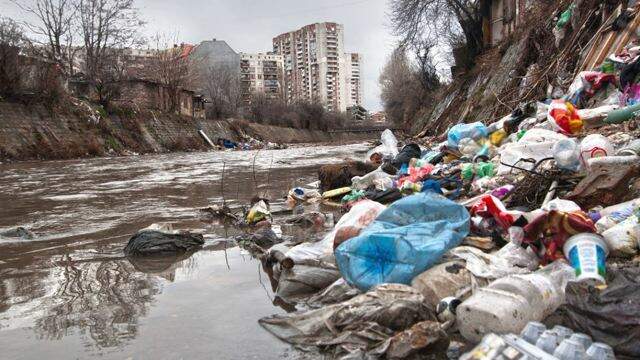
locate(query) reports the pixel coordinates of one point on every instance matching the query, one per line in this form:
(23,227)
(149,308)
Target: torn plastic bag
(361,215)
(378,178)
(405,240)
(357,324)
(622,239)
(509,260)
(565,117)
(388,148)
(536,144)
(610,315)
(474,131)
(335,293)
(304,280)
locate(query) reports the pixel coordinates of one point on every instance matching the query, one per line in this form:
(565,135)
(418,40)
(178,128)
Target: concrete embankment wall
(33,132)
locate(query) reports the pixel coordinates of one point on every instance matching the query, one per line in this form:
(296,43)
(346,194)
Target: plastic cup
(600,351)
(531,333)
(587,254)
(583,339)
(570,350)
(547,342)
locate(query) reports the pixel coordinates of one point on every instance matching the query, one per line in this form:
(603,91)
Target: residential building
(379,118)
(261,73)
(214,54)
(357,114)
(315,68)
(353,81)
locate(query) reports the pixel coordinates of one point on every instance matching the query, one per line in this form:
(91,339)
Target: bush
(300,115)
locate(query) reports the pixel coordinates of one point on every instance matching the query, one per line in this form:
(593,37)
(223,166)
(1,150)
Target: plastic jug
(595,146)
(509,303)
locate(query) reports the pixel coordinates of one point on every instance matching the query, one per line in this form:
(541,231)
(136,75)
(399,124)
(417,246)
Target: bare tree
(394,79)
(439,20)
(107,27)
(173,66)
(12,40)
(426,69)
(222,86)
(55,25)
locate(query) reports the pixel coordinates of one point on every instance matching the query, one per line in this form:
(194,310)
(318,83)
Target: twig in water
(264,195)
(253,169)
(224,201)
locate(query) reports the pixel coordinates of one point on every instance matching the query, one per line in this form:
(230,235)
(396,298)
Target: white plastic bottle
(509,303)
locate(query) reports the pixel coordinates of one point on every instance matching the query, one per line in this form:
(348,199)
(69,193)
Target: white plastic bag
(362,214)
(379,178)
(623,238)
(388,148)
(536,144)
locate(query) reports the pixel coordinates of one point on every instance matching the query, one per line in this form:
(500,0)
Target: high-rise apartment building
(261,73)
(315,66)
(353,81)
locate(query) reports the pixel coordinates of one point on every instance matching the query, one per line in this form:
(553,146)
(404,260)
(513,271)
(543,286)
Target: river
(69,293)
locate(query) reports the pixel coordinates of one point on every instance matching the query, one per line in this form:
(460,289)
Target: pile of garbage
(247,143)
(530,222)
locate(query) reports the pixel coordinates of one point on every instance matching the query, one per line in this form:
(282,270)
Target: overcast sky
(250,25)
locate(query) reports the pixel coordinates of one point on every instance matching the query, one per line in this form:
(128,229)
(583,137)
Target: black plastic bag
(612,315)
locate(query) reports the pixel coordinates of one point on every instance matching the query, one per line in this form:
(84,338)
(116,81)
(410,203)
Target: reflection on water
(70,293)
(104,300)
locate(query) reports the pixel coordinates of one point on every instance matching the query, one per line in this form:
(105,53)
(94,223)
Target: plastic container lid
(600,351)
(570,350)
(531,333)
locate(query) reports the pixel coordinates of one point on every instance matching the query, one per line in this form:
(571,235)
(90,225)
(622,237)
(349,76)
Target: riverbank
(32,132)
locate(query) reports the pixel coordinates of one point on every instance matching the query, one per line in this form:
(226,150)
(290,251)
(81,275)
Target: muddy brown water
(69,293)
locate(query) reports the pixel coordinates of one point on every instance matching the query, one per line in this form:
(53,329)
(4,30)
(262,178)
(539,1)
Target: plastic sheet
(388,148)
(305,280)
(404,241)
(358,324)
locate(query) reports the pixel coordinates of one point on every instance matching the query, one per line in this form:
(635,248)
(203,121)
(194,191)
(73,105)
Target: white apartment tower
(316,67)
(261,73)
(353,83)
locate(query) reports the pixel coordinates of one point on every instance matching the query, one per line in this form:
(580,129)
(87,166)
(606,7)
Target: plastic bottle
(509,303)
(595,146)
(567,154)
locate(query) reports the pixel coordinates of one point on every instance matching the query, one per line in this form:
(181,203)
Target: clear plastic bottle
(567,154)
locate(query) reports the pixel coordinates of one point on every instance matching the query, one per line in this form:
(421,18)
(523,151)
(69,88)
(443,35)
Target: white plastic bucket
(587,254)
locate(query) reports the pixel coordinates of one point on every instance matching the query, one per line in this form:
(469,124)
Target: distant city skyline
(249,26)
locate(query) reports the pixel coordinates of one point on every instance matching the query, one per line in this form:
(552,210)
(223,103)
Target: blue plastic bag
(405,240)
(475,131)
